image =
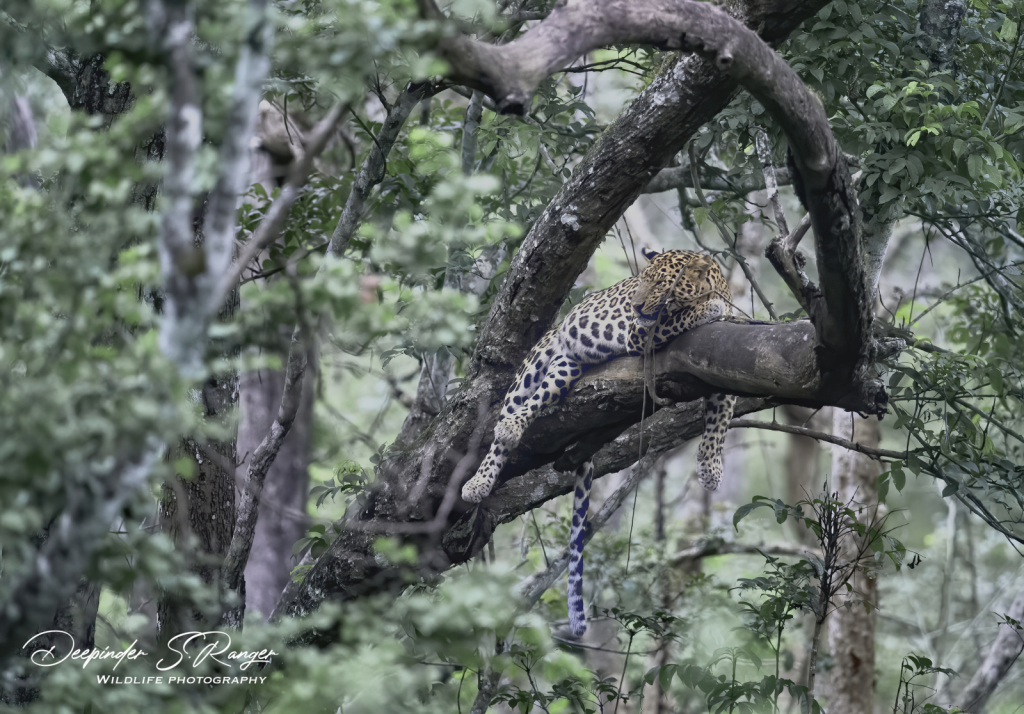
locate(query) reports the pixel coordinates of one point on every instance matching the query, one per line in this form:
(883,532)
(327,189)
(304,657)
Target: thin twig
(1002,84)
(877,454)
(726,235)
(272,225)
(764,152)
(712,548)
(953,289)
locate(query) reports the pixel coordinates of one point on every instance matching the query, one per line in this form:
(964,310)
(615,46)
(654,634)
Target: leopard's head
(685,273)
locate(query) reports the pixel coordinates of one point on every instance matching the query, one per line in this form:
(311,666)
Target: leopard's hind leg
(580,506)
(718,410)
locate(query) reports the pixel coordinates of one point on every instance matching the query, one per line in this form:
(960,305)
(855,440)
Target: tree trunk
(198,513)
(282,520)
(851,628)
(804,468)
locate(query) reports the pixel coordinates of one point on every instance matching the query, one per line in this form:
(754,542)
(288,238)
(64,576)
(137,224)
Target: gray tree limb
(192,272)
(1001,656)
(876,454)
(675,177)
(711,548)
(372,171)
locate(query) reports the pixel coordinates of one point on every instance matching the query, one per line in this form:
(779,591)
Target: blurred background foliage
(689,615)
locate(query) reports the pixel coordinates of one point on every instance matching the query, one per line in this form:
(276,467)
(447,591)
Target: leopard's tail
(581,503)
(718,409)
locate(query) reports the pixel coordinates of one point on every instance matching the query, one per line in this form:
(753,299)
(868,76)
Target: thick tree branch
(193,272)
(510,72)
(233,175)
(184,323)
(233,567)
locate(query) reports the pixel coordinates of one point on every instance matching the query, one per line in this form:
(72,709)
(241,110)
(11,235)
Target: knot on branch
(874,397)
(889,347)
(469,534)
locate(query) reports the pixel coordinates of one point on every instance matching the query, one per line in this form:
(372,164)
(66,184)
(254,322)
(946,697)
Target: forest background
(267,268)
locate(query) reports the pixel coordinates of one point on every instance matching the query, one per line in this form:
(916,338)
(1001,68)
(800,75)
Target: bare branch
(1001,656)
(877,454)
(193,272)
(675,177)
(728,236)
(372,171)
(764,152)
(183,329)
(274,221)
(712,548)
(233,179)
(789,263)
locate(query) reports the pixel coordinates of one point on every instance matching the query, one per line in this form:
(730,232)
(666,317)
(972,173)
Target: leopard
(677,291)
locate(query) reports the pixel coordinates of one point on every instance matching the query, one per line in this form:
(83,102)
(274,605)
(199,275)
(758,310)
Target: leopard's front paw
(477,489)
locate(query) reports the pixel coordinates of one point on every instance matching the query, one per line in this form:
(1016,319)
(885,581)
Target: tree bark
(282,519)
(198,512)
(851,627)
(939,26)
(803,474)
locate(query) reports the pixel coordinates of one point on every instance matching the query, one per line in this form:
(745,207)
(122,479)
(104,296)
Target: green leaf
(745,510)
(1008,32)
(975,166)
(899,479)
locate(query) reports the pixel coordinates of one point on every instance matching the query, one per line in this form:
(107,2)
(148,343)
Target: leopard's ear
(649,254)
